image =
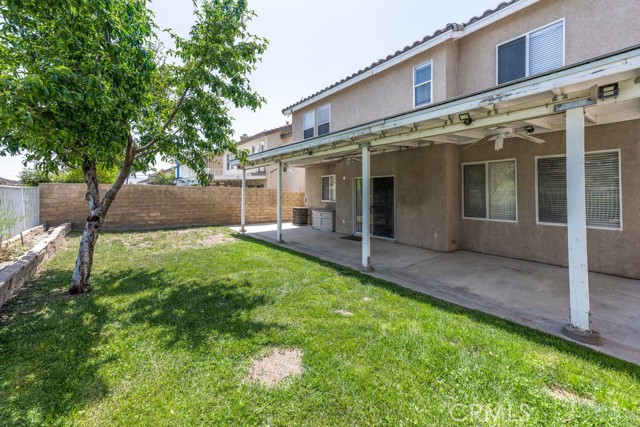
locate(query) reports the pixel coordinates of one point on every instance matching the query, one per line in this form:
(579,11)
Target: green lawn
(176,317)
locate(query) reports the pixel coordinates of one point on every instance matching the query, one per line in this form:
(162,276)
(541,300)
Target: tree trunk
(84,262)
(98,211)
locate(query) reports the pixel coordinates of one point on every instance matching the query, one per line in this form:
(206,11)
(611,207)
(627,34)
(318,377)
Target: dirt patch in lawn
(343,312)
(180,239)
(275,367)
(566,395)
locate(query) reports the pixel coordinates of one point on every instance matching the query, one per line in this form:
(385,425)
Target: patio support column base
(588,337)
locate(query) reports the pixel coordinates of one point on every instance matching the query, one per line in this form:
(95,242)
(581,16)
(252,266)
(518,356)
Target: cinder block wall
(156,206)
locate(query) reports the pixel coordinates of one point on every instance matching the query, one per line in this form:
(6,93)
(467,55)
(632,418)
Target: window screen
(309,124)
(475,196)
(602,178)
(324,120)
(422,84)
(329,188)
(512,60)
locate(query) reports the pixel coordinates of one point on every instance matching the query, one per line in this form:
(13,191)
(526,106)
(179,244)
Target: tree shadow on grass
(530,334)
(47,364)
(54,349)
(187,313)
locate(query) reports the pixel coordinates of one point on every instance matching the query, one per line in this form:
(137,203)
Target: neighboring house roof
(415,47)
(284,130)
(5,181)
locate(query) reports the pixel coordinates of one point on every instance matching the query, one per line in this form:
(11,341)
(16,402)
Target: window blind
(324,120)
(512,60)
(309,123)
(422,82)
(546,50)
(602,179)
(502,191)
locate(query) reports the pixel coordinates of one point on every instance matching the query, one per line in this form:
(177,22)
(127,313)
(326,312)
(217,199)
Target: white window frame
(591,227)
(313,112)
(317,130)
(335,188)
(486,186)
(527,35)
(429,62)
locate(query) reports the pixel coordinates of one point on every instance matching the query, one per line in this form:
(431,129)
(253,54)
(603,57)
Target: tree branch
(110,195)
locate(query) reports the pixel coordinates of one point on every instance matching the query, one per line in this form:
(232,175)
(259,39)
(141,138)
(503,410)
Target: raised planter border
(14,276)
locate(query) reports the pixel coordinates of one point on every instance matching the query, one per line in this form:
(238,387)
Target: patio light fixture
(465,118)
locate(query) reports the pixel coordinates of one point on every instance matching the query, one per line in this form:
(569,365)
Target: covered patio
(532,294)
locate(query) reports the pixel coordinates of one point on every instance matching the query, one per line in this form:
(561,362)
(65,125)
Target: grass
(176,317)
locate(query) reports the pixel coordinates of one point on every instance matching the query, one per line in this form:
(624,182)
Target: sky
(313,44)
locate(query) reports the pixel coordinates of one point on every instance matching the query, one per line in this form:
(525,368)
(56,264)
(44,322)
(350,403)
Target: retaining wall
(14,276)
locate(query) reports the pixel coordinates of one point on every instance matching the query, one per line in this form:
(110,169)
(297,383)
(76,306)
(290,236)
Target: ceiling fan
(499,134)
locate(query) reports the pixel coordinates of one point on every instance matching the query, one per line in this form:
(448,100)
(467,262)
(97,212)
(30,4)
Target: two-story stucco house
(225,173)
(515,134)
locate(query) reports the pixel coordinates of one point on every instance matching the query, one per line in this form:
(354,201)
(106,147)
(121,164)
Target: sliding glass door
(382,207)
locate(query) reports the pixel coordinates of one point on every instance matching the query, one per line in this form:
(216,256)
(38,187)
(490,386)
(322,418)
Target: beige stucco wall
(381,95)
(426,194)
(610,251)
(592,28)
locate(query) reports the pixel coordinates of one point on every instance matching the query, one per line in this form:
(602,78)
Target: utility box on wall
(323,219)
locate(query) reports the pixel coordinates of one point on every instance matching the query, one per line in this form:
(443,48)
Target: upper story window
(228,162)
(324,119)
(422,84)
(309,124)
(532,53)
(253,149)
(260,147)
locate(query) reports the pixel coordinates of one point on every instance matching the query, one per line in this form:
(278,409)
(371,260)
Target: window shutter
(552,190)
(602,174)
(475,199)
(546,50)
(512,60)
(502,191)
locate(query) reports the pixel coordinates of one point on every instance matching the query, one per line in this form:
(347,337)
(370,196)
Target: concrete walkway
(528,293)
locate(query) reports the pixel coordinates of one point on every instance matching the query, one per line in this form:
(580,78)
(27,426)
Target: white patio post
(366,208)
(580,323)
(242,201)
(279,204)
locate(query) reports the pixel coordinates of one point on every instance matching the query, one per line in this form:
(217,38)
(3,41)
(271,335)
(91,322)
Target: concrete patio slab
(528,293)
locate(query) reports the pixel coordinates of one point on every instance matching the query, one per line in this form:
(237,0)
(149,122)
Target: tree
(84,83)
(32,177)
